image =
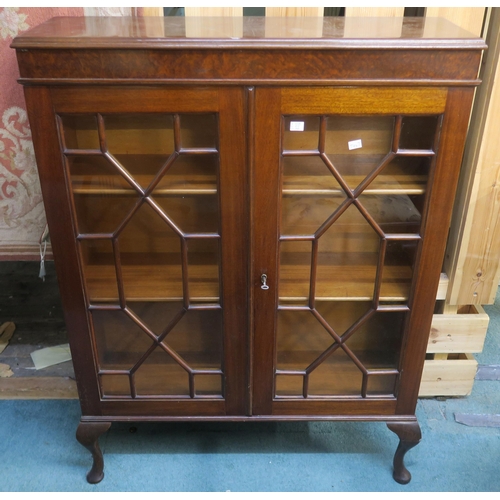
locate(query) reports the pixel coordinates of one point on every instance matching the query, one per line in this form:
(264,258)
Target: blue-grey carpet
(39,451)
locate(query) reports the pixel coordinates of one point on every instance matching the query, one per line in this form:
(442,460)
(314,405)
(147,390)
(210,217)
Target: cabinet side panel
(265,241)
(57,208)
(234,222)
(443,185)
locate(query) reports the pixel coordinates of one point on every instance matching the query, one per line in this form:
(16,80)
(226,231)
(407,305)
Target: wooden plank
(463,332)
(152,11)
(231,23)
(295,11)
(444,282)
(213,11)
(374,11)
(38,388)
(448,377)
(395,100)
(468,18)
(473,256)
(178,100)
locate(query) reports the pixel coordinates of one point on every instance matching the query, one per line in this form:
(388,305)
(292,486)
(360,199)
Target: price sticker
(297,126)
(357,144)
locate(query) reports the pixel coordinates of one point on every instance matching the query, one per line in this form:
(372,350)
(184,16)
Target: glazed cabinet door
(156,182)
(339,235)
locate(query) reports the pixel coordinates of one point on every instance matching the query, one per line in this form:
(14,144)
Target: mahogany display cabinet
(248,217)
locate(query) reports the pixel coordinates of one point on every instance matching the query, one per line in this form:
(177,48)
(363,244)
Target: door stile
(440,204)
(57,207)
(234,224)
(265,205)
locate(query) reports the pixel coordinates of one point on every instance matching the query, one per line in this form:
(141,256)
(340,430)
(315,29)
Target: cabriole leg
(87,435)
(409,436)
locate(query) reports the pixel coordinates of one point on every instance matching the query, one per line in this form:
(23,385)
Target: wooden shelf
(387,185)
(187,176)
(164,283)
(152,283)
(344,276)
(348,283)
(308,175)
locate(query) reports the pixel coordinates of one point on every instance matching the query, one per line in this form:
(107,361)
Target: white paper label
(297,126)
(354,144)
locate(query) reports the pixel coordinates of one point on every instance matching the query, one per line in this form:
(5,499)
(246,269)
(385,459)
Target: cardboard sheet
(51,356)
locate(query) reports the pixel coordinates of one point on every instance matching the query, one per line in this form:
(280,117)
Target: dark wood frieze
(337,67)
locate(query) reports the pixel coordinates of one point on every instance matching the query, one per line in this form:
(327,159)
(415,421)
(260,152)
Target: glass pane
(309,175)
(289,385)
(198,131)
(129,134)
(190,174)
(295,272)
(94,174)
(301,133)
(348,249)
(208,385)
(157,316)
(394,213)
(161,375)
(154,264)
(99,271)
(403,175)
(150,258)
(120,342)
(300,340)
(381,385)
(356,145)
(141,143)
(191,213)
(418,132)
(203,270)
(115,385)
(342,315)
(102,197)
(336,376)
(397,273)
(347,258)
(377,342)
(197,338)
(80,131)
(304,215)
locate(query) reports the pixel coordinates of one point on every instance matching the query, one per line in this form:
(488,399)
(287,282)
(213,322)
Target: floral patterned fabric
(22,217)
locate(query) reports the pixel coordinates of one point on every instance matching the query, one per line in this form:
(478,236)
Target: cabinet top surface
(247,32)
